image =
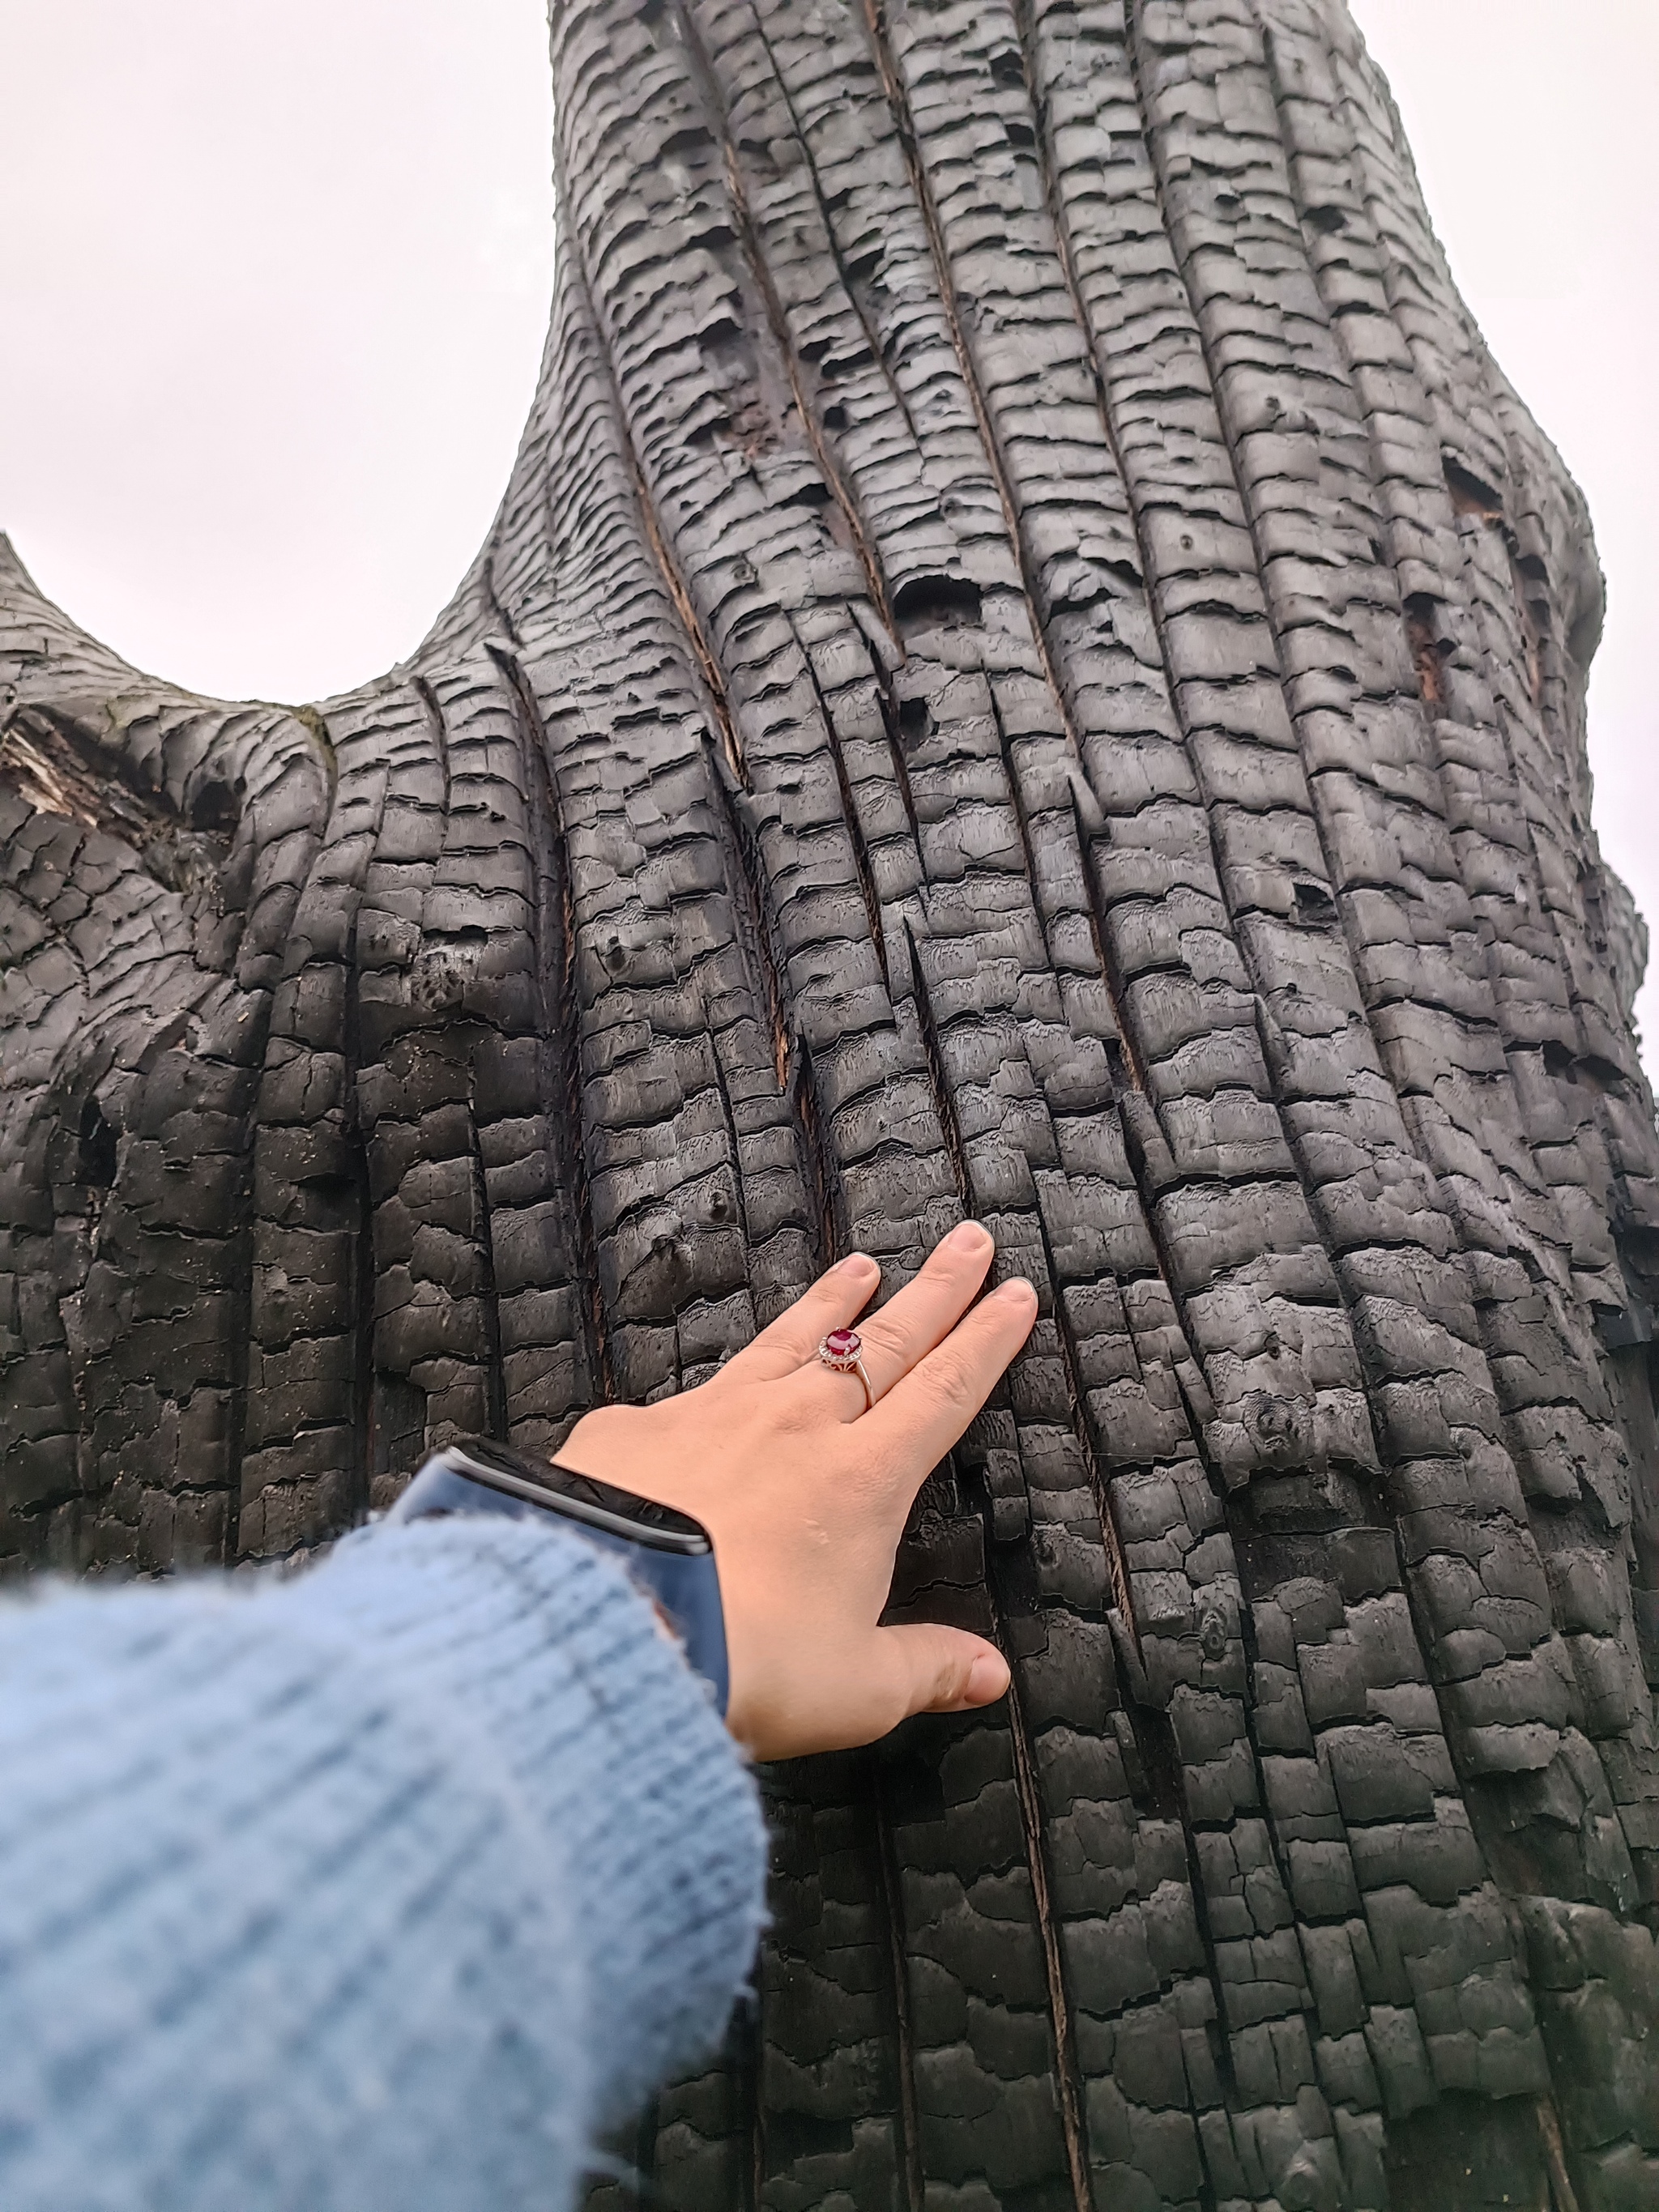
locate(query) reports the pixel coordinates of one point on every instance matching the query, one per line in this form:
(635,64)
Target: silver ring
(842,1352)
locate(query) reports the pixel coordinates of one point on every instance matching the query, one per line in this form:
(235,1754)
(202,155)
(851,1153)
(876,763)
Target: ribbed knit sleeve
(378,1890)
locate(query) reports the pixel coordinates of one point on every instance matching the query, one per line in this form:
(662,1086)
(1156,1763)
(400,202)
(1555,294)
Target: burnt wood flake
(1031,663)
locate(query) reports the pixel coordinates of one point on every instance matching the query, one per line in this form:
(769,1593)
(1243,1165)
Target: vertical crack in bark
(728,1116)
(1555,2156)
(819,1172)
(939,1077)
(1100,936)
(911,2166)
(495,1374)
(497,606)
(890,722)
(865,874)
(440,727)
(1117,1572)
(706,663)
(898,103)
(1067,2074)
(848,282)
(560,1022)
(1017,800)
(745,873)
(777,321)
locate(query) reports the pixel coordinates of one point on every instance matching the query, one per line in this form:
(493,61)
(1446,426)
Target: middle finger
(914,1320)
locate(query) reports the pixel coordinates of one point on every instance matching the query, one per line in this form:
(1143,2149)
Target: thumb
(944,1670)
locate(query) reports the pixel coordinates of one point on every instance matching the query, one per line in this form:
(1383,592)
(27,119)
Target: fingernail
(1017,1291)
(988,1678)
(967,1236)
(855,1263)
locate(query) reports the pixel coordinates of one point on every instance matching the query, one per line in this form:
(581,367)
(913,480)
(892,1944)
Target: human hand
(805,1495)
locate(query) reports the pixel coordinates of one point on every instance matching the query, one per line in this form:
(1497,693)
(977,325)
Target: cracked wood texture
(1031,663)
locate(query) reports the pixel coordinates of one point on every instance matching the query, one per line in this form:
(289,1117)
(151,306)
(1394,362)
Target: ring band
(842,1352)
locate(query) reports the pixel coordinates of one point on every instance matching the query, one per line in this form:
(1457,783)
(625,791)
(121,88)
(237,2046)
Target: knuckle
(883,1338)
(950,1381)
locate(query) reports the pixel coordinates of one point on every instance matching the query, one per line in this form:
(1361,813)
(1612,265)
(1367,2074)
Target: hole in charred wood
(1160,1761)
(1470,496)
(1591,1068)
(1007,67)
(834,416)
(97,1154)
(1428,649)
(936,603)
(1558,1059)
(915,720)
(694,138)
(1314,903)
(720,331)
(217,806)
(1326,220)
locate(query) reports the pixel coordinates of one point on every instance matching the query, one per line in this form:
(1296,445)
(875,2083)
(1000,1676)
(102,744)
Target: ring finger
(907,1328)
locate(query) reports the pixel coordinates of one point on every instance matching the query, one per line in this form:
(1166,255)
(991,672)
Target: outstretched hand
(805,1495)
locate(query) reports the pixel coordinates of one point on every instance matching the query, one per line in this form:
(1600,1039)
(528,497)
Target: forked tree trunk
(1031,663)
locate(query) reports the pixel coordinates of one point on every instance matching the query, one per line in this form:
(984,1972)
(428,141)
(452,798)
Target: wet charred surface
(1031,664)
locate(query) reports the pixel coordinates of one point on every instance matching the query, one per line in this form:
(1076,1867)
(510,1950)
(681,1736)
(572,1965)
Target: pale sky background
(275,278)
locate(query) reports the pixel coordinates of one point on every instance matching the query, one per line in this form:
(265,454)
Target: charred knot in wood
(443,972)
(1212,1636)
(1281,1428)
(657,1286)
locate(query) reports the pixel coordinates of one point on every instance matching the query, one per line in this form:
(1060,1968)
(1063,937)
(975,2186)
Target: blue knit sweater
(378,1890)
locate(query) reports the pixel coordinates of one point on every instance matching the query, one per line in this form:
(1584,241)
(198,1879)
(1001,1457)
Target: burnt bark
(1031,662)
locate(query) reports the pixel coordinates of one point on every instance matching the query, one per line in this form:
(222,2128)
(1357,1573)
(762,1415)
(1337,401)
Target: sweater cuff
(516,1636)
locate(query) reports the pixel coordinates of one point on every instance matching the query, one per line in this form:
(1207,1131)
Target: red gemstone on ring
(842,1344)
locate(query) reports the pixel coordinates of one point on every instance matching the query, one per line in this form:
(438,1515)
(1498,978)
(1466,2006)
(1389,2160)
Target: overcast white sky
(276,280)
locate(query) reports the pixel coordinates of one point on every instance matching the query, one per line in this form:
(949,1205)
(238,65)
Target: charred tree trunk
(1031,663)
